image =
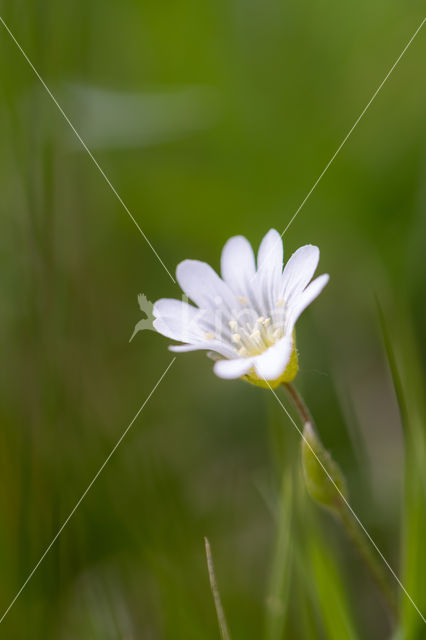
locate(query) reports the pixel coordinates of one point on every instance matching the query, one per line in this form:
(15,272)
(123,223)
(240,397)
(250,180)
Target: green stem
(356,536)
(299,404)
(350,525)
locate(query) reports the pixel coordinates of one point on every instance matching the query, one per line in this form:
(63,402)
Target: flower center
(253,339)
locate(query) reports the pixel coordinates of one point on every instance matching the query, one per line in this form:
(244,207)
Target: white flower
(246,318)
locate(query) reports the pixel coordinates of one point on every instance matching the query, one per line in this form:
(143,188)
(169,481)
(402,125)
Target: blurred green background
(210,118)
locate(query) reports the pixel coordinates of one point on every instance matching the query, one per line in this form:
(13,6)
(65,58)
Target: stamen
(277,333)
(255,334)
(233,324)
(242,300)
(209,336)
(260,320)
(267,322)
(236,337)
(242,352)
(280,302)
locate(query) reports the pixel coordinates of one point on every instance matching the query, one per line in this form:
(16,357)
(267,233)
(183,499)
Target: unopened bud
(324,479)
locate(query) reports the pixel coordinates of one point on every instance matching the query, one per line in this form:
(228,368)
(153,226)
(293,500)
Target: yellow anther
(255,334)
(260,320)
(267,322)
(280,302)
(233,324)
(242,351)
(242,300)
(209,336)
(236,337)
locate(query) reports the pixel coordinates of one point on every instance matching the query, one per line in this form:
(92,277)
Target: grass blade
(281,566)
(224,632)
(408,380)
(330,590)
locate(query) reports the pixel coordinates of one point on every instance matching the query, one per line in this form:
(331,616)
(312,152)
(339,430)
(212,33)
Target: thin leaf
(224,632)
(277,600)
(330,590)
(408,380)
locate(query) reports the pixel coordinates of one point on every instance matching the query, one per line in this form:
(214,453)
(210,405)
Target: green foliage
(281,565)
(331,593)
(408,379)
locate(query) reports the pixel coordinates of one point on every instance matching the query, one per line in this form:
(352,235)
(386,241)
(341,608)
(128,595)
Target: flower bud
(324,479)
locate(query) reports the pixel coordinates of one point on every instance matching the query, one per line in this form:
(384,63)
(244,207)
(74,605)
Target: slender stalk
(349,524)
(370,559)
(224,632)
(299,404)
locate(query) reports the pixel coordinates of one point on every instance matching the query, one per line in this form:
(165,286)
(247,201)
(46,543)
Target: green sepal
(288,374)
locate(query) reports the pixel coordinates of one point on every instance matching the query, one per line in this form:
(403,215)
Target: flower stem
(299,404)
(347,521)
(370,559)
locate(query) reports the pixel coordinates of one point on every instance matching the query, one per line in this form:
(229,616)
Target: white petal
(181,321)
(237,264)
(183,348)
(230,369)
(270,252)
(272,363)
(175,329)
(216,347)
(169,307)
(299,270)
(307,296)
(202,284)
(177,320)
(268,281)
